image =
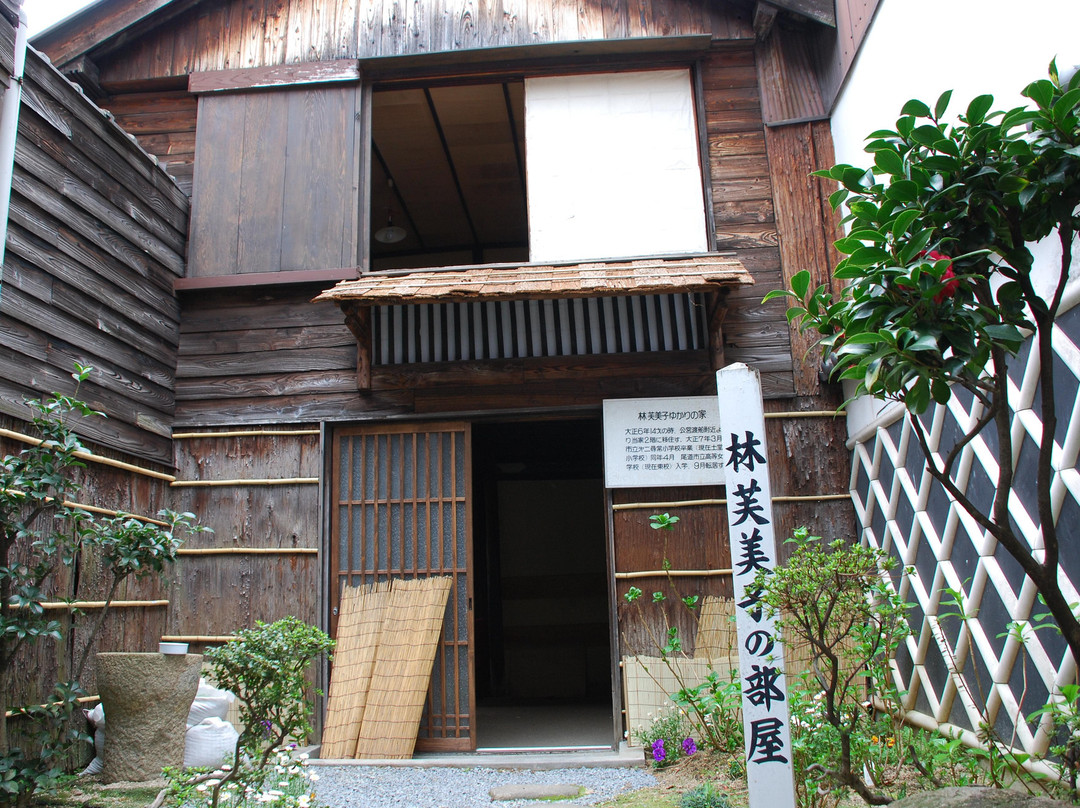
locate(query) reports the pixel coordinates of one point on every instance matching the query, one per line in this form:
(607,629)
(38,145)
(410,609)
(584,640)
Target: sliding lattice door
(401,510)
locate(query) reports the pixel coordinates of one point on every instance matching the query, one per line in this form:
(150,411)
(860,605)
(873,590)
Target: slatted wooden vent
(517,329)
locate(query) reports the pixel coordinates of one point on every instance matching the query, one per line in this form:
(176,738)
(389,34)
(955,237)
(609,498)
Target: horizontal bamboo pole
(806,414)
(93,458)
(673,573)
(199,638)
(246,433)
(254,481)
(110,512)
(101,604)
(686,503)
(80,700)
(93,508)
(209,551)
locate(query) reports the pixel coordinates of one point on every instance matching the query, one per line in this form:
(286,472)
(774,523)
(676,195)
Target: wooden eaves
(712,274)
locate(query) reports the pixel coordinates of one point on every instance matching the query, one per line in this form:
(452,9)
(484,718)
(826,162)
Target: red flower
(948,277)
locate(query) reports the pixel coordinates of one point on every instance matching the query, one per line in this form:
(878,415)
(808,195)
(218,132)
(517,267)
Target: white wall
(920,48)
(613,166)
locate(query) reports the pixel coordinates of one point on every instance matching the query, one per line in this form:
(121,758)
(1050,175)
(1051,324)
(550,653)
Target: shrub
(266,668)
(704,796)
(832,598)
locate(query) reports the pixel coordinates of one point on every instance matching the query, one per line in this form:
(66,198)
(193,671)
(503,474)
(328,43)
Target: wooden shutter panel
(276,181)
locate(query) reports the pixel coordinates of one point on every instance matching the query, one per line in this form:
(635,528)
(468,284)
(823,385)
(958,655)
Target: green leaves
(977,109)
(915,108)
(942,220)
(662,521)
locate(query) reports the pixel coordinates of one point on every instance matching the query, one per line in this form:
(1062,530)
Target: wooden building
(426,242)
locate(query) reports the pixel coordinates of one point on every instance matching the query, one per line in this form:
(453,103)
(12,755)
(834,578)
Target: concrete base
(146,699)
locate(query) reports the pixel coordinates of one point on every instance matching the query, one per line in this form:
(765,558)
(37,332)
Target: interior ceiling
(456,157)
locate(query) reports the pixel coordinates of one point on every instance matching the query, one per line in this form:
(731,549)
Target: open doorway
(543,656)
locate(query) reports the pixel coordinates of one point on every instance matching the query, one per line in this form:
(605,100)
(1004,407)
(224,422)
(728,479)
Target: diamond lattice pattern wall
(939,548)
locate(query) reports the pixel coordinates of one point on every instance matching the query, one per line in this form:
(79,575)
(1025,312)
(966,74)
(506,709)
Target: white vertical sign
(769,770)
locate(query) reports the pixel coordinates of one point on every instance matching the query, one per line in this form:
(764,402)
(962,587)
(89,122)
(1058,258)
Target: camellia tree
(943,289)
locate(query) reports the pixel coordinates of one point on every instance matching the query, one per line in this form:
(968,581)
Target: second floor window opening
(555,168)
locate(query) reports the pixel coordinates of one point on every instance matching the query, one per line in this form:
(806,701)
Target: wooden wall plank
(96,235)
(19,381)
(318,228)
(698,542)
(72,252)
(103,200)
(213,248)
(743,213)
(58,100)
(804,230)
(261,151)
(36,295)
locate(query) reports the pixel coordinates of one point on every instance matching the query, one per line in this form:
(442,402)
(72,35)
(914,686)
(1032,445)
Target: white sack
(209,742)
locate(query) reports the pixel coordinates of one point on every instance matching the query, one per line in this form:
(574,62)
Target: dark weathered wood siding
(255,33)
(264,358)
(96,236)
(164,123)
(259,493)
(127,627)
(286,199)
(9,13)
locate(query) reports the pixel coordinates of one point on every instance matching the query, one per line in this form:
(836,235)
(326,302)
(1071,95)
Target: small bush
(704,796)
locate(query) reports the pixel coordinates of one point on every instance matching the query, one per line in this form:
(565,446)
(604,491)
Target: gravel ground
(438,787)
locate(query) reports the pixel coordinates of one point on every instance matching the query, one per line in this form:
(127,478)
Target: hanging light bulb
(391,233)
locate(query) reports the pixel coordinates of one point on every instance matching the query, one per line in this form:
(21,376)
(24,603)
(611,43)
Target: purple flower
(688,746)
(658,752)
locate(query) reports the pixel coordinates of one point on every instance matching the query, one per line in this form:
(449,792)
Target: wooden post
(358,319)
(716,312)
(766,727)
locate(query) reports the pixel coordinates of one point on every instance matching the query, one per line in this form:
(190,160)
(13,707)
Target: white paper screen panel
(612,166)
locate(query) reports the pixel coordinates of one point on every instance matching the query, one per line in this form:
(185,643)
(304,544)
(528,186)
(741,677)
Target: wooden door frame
(618,714)
(333,574)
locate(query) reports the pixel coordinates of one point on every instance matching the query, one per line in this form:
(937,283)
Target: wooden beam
(806,228)
(823,11)
(764,18)
(274,76)
(288,277)
(85,73)
(100,23)
(538,57)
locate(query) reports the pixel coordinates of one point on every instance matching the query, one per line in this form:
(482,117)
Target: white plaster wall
(920,48)
(613,166)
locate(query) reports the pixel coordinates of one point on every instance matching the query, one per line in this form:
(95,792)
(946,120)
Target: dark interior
(540,583)
(448,169)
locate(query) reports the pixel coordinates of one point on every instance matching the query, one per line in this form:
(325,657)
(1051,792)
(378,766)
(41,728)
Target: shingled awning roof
(712,274)
(705,273)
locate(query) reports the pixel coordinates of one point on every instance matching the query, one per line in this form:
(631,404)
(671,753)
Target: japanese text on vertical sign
(753,552)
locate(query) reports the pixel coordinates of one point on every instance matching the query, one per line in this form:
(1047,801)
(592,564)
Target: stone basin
(146,697)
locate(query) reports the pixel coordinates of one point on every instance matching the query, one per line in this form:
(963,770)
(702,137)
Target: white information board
(766,727)
(650,442)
